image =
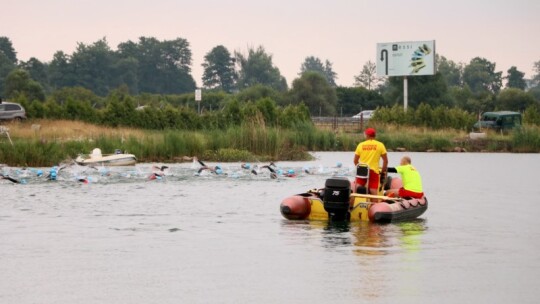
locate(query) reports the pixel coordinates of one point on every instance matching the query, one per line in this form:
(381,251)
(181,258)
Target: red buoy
(295,207)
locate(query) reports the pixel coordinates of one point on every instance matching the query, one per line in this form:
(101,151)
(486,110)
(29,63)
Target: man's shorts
(407,193)
(373,180)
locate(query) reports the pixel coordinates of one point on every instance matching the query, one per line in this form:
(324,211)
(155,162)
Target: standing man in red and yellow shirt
(370,152)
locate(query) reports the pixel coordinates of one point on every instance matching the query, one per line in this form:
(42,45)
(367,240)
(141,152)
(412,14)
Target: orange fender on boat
(402,209)
(378,208)
(296,207)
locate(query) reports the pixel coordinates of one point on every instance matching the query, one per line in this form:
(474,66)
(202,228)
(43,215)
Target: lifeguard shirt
(369,152)
(410,177)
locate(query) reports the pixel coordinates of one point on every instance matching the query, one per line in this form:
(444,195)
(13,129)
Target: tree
(311,64)
(257,68)
(481,77)
(269,110)
(19,83)
(513,99)
(5,68)
(8,61)
(451,71)
(260,91)
(353,100)
(126,73)
(535,92)
(532,115)
(61,72)
(176,58)
(462,97)
(219,70)
(162,66)
(515,79)
(315,92)
(536,77)
(6,48)
(368,77)
(120,109)
(80,94)
(92,65)
(38,71)
(431,90)
(232,113)
(330,74)
(314,64)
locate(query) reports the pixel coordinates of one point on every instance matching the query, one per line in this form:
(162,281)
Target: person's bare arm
(385,162)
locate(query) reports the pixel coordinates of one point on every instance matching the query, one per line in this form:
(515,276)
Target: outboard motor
(336,198)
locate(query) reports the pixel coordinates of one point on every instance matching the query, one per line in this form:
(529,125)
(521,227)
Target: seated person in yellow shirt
(412,182)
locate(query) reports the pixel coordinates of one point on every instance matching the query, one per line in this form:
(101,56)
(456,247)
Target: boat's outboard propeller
(336,198)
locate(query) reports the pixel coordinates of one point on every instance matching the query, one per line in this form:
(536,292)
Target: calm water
(206,239)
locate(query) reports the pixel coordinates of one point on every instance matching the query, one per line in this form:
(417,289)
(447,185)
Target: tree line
(157,74)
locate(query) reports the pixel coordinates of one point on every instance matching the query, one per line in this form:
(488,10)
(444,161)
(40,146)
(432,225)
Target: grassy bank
(48,142)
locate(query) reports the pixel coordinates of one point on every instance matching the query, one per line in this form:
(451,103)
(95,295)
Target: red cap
(370,132)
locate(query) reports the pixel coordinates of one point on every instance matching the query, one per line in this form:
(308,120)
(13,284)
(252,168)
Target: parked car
(11,110)
(365,115)
(499,121)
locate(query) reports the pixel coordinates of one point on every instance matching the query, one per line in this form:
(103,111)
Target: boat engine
(336,198)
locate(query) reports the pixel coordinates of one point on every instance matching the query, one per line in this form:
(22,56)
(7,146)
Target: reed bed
(526,139)
(46,142)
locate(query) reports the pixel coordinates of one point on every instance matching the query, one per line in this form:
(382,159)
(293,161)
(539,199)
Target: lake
(122,238)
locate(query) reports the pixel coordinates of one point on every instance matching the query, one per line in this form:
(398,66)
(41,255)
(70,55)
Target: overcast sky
(345,32)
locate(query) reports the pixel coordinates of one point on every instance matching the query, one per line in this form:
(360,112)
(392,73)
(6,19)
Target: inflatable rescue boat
(342,200)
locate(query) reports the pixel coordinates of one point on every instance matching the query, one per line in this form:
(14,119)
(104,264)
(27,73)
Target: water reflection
(382,254)
(377,246)
(380,239)
(336,234)
(412,233)
(364,238)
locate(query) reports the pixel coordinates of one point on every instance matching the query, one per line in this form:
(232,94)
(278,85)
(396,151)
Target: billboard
(409,58)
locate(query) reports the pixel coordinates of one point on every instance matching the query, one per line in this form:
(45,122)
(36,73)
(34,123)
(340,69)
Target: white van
(365,115)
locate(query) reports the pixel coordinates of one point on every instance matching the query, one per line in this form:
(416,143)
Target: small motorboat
(338,202)
(96,158)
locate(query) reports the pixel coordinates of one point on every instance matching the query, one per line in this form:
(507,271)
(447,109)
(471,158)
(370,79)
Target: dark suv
(10,110)
(499,121)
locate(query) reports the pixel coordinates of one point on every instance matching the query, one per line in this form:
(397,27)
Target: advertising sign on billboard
(409,58)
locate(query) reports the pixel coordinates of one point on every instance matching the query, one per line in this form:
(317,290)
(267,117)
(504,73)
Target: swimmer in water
(158,172)
(216,169)
(6,177)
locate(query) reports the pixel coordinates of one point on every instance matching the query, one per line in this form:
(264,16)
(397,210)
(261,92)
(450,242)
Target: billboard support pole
(405,94)
(198,98)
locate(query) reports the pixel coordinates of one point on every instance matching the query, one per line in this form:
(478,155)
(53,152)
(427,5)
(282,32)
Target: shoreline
(48,142)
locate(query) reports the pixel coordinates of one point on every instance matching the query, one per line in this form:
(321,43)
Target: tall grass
(526,139)
(58,141)
(54,143)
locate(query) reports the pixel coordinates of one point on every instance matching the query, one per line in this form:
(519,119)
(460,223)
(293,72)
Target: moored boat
(116,159)
(337,202)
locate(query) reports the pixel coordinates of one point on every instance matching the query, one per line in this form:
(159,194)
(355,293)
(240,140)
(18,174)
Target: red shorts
(407,193)
(374,179)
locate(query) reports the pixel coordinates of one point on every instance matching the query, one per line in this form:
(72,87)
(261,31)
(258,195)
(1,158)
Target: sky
(344,32)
